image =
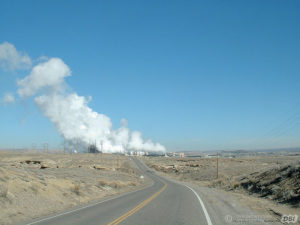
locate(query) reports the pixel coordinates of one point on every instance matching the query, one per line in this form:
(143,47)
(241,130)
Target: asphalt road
(165,202)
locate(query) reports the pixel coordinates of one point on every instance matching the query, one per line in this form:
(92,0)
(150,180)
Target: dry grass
(3,191)
(116,184)
(133,184)
(274,177)
(33,184)
(76,189)
(201,169)
(236,185)
(102,183)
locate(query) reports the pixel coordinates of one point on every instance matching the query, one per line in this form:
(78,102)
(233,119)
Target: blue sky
(192,75)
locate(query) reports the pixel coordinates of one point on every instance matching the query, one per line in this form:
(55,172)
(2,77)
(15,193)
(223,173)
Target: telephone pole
(46,147)
(217,165)
(33,147)
(64,146)
(77,145)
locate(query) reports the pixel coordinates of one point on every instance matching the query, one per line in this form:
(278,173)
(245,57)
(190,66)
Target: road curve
(164,202)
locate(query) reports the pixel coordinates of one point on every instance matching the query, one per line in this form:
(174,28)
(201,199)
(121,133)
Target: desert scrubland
(269,184)
(36,184)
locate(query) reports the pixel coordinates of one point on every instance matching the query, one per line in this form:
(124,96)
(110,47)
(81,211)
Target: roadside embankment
(269,183)
(32,185)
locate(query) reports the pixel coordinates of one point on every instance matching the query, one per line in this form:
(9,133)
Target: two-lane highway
(164,202)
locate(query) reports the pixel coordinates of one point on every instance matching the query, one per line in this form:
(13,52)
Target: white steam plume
(71,114)
(49,74)
(11,59)
(8,98)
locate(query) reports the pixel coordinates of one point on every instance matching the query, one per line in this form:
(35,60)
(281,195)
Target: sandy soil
(32,185)
(234,173)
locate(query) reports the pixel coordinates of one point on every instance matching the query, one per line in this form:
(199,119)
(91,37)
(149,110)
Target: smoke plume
(11,59)
(72,116)
(8,98)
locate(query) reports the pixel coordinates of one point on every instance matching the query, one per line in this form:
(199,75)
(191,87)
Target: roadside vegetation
(34,184)
(275,180)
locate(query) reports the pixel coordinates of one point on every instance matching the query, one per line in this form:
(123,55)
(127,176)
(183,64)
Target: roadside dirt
(33,185)
(269,185)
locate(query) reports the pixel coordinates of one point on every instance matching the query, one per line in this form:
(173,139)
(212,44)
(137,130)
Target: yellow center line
(138,207)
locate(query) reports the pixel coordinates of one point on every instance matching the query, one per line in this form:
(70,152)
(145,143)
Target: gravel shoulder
(228,189)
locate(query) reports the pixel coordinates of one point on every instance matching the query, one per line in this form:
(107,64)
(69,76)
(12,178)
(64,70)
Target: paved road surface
(166,202)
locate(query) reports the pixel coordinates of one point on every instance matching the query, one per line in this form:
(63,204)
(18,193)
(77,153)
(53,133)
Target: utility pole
(217,165)
(77,144)
(64,146)
(33,147)
(46,147)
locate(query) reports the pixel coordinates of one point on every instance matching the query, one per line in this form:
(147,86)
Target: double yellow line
(138,207)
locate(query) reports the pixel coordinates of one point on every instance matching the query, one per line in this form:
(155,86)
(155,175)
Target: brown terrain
(267,184)
(36,184)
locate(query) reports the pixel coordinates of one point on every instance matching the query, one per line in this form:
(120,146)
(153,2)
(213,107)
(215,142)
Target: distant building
(181,154)
(139,153)
(210,156)
(93,149)
(169,154)
(174,154)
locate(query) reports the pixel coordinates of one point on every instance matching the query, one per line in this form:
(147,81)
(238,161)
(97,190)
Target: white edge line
(202,205)
(88,206)
(208,220)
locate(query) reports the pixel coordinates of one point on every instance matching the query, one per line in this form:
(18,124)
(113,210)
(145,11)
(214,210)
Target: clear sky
(192,75)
